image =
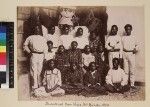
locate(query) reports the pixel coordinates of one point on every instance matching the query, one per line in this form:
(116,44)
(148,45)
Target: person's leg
(101,90)
(125,88)
(40,66)
(132,69)
(40,92)
(126,64)
(110,88)
(58,91)
(110,57)
(33,70)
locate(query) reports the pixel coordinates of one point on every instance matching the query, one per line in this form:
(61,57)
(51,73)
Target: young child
(51,82)
(51,52)
(62,61)
(87,57)
(113,45)
(92,81)
(116,79)
(129,51)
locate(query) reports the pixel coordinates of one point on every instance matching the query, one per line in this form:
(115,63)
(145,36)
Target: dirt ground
(132,95)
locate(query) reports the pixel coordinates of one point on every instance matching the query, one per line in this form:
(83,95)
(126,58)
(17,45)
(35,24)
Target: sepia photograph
(80,53)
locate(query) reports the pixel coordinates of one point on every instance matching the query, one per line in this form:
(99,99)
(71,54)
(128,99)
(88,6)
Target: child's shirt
(52,78)
(87,59)
(50,55)
(116,76)
(54,38)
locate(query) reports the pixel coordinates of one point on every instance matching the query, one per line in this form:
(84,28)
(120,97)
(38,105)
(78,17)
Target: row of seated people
(80,83)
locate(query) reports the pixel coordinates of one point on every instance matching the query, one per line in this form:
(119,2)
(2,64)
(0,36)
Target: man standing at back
(113,45)
(129,51)
(37,47)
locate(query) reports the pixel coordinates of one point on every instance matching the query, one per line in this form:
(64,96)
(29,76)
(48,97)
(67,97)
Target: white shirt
(117,76)
(87,59)
(82,41)
(129,42)
(50,55)
(54,38)
(114,41)
(36,43)
(52,77)
(66,40)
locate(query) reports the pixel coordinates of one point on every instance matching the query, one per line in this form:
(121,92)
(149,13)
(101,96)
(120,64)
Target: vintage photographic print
(81,53)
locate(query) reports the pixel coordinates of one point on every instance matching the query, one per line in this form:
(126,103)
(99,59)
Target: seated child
(116,79)
(92,81)
(87,57)
(51,82)
(51,52)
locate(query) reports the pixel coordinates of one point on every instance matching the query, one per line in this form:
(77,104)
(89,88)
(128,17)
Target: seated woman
(116,79)
(92,81)
(51,82)
(74,77)
(62,62)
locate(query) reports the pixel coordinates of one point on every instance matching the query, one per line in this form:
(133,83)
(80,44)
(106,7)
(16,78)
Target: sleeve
(103,56)
(44,31)
(25,45)
(107,44)
(124,78)
(136,44)
(44,79)
(59,78)
(45,49)
(108,78)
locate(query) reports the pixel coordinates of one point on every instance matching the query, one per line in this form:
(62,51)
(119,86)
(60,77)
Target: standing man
(129,49)
(37,47)
(113,45)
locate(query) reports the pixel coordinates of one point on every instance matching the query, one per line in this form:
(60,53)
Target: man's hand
(134,51)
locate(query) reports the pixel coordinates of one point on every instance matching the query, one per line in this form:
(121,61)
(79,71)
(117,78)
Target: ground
(132,95)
